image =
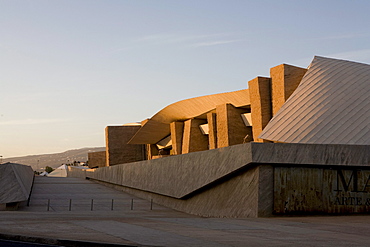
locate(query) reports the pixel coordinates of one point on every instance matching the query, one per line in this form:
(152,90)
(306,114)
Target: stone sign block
(305,190)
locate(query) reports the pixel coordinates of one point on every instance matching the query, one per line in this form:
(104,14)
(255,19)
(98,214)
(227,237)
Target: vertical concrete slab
(193,138)
(231,129)
(117,149)
(265,190)
(284,80)
(97,159)
(177,130)
(212,128)
(261,106)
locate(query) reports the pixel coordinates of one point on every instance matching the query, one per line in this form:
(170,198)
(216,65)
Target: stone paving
(143,224)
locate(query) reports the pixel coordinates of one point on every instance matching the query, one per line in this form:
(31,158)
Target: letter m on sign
(341,179)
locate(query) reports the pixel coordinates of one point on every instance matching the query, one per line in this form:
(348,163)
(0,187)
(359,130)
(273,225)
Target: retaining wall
(247,180)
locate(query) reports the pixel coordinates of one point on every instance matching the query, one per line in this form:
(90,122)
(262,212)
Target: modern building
(297,142)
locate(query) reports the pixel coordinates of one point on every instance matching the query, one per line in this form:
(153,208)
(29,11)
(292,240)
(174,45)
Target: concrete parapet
(15,184)
(74,172)
(261,106)
(284,80)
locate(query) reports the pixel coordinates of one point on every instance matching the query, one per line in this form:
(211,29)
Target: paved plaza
(81,210)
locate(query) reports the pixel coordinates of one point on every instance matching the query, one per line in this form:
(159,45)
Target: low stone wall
(15,183)
(247,180)
(77,172)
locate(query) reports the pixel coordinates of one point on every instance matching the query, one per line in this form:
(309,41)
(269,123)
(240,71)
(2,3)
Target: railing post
(92,204)
(48,204)
(70,204)
(111,208)
(132,204)
(151,204)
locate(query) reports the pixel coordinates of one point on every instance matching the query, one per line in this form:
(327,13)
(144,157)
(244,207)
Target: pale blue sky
(70,68)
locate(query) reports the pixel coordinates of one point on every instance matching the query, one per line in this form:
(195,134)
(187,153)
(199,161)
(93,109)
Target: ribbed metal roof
(331,105)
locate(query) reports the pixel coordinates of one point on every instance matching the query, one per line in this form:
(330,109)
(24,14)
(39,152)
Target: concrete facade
(222,114)
(231,129)
(225,164)
(97,159)
(193,139)
(242,180)
(117,149)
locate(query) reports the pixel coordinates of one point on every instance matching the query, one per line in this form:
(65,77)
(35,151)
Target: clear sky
(68,68)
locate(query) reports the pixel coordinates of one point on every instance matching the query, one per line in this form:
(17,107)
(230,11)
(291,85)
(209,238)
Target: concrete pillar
(193,138)
(117,149)
(177,130)
(284,80)
(261,106)
(231,129)
(151,151)
(212,128)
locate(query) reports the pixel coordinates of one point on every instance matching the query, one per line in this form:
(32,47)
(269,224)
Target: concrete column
(231,129)
(117,149)
(261,106)
(151,151)
(212,128)
(284,80)
(177,130)
(193,138)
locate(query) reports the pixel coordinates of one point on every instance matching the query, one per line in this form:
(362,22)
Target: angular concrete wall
(97,159)
(240,180)
(247,194)
(15,183)
(117,149)
(231,129)
(193,139)
(77,172)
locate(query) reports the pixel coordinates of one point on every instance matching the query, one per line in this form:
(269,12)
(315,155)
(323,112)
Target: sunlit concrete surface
(161,226)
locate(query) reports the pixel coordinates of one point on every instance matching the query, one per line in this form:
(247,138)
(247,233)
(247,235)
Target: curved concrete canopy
(331,105)
(158,127)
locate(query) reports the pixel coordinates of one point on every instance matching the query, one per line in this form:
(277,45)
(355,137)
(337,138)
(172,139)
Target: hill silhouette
(39,162)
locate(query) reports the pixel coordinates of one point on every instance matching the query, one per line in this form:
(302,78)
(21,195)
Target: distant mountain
(54,160)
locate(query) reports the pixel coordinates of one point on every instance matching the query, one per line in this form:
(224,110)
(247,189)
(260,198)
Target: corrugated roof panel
(330,106)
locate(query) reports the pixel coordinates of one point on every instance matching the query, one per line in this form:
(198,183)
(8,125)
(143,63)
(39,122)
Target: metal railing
(84,204)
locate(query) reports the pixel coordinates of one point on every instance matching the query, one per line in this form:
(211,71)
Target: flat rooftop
(142,224)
